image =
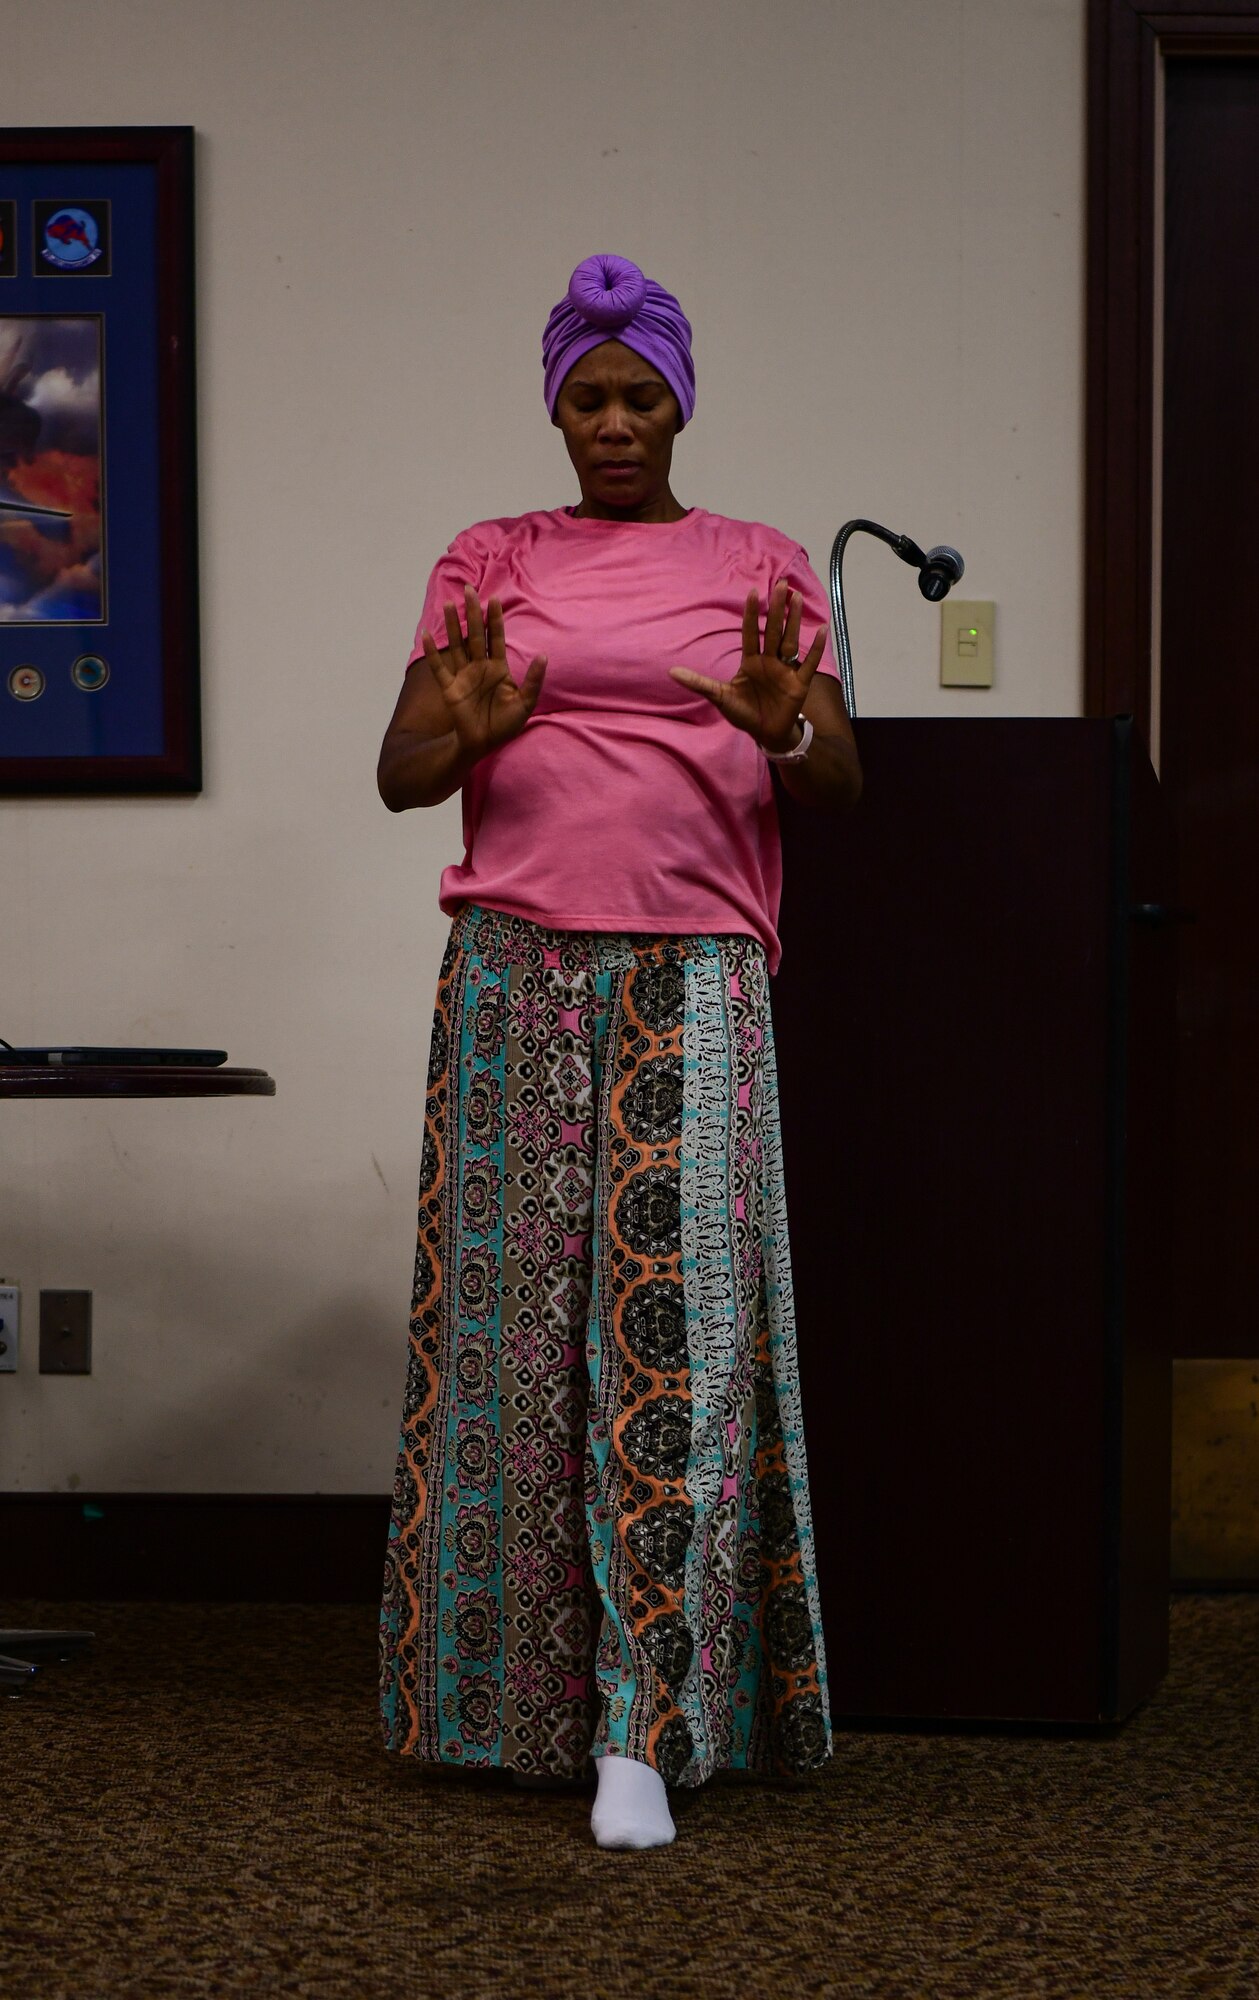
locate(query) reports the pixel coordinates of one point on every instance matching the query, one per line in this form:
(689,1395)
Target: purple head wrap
(608,298)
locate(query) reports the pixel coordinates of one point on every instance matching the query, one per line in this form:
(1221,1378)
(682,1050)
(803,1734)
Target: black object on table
(22,1652)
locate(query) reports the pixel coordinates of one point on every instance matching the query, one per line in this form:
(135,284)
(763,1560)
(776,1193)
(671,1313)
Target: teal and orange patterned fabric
(600,1540)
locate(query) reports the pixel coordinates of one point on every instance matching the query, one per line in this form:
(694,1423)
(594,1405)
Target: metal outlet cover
(65,1333)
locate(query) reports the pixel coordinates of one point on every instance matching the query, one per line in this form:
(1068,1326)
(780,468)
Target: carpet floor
(200,1806)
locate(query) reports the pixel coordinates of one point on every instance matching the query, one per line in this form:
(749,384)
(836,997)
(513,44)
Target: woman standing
(600,1543)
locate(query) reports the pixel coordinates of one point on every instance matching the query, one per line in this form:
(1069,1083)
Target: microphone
(942,567)
(938,570)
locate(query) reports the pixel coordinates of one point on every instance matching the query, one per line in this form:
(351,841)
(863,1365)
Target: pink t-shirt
(627,802)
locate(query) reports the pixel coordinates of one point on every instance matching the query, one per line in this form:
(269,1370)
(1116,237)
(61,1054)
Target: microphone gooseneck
(938,570)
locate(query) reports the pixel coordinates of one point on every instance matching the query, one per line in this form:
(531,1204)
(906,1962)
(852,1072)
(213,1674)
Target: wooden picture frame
(99,615)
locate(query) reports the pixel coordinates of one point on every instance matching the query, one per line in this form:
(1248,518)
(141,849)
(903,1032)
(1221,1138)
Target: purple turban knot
(608,298)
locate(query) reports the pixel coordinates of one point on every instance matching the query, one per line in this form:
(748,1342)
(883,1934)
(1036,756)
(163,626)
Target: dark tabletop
(103,1080)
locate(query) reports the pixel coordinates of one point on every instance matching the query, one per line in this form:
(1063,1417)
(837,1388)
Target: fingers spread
(774,622)
(791,637)
(476,628)
(809,664)
(751,625)
(454,633)
(440,667)
(715,690)
(498,644)
(531,685)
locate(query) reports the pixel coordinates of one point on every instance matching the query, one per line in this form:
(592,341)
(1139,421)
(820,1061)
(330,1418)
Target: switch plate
(966,649)
(65,1333)
(10,1304)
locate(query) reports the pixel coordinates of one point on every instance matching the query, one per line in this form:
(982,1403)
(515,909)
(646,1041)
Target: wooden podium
(974,1019)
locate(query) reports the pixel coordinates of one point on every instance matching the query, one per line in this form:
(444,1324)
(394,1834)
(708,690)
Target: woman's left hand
(767,693)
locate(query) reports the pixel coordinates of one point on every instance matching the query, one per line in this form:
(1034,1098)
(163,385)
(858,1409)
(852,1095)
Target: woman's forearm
(421,770)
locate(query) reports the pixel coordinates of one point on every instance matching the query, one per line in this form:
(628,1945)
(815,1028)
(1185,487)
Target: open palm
(767,693)
(486,706)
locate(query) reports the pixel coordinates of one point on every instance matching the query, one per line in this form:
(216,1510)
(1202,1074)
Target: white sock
(631,1807)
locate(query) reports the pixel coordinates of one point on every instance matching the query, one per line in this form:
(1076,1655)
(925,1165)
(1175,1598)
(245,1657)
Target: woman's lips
(617,471)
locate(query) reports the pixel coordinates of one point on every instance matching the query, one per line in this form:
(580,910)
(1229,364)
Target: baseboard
(279,1548)
(294,1548)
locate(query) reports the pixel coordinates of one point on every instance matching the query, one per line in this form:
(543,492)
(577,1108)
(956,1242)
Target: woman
(600,1543)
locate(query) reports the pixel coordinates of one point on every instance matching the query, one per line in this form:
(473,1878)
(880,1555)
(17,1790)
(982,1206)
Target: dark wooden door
(1209,728)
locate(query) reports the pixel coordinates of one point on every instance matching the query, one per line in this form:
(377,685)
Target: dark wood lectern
(975,1027)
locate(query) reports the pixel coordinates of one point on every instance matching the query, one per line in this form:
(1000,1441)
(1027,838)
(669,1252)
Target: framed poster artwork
(99,652)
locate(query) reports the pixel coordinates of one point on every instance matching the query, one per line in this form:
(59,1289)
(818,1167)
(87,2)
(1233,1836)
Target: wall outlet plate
(10,1314)
(65,1333)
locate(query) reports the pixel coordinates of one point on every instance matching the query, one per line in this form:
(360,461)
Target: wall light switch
(966,649)
(10,1299)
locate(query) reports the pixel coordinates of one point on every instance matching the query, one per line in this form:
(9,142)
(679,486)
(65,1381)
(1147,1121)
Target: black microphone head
(947,558)
(941,570)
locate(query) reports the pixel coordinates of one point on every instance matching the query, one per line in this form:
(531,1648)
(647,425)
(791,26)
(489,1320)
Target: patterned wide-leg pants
(600,1540)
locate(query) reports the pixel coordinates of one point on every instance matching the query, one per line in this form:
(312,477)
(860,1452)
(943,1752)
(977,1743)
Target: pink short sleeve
(799,575)
(463,562)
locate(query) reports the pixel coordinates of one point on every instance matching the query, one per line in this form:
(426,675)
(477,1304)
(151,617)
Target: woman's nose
(615,421)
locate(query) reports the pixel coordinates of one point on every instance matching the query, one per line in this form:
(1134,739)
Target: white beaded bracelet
(801,750)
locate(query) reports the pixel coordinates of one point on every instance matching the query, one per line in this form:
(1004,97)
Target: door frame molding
(1127,45)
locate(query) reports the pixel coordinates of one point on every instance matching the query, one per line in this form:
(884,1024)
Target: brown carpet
(200,1806)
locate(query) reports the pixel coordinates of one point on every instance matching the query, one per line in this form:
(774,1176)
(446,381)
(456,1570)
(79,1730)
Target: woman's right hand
(484,705)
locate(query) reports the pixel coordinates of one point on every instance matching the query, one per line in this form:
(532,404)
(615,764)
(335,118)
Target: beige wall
(872,211)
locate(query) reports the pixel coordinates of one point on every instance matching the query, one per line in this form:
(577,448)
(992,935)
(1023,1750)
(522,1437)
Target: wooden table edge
(53,1080)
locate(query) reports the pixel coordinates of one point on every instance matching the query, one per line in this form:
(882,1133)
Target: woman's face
(613,406)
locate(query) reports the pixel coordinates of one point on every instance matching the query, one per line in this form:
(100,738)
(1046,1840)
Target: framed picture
(99,651)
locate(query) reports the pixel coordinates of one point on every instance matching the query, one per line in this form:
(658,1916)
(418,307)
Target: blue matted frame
(99,614)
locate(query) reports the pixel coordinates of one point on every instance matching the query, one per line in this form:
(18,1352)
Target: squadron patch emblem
(71,237)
